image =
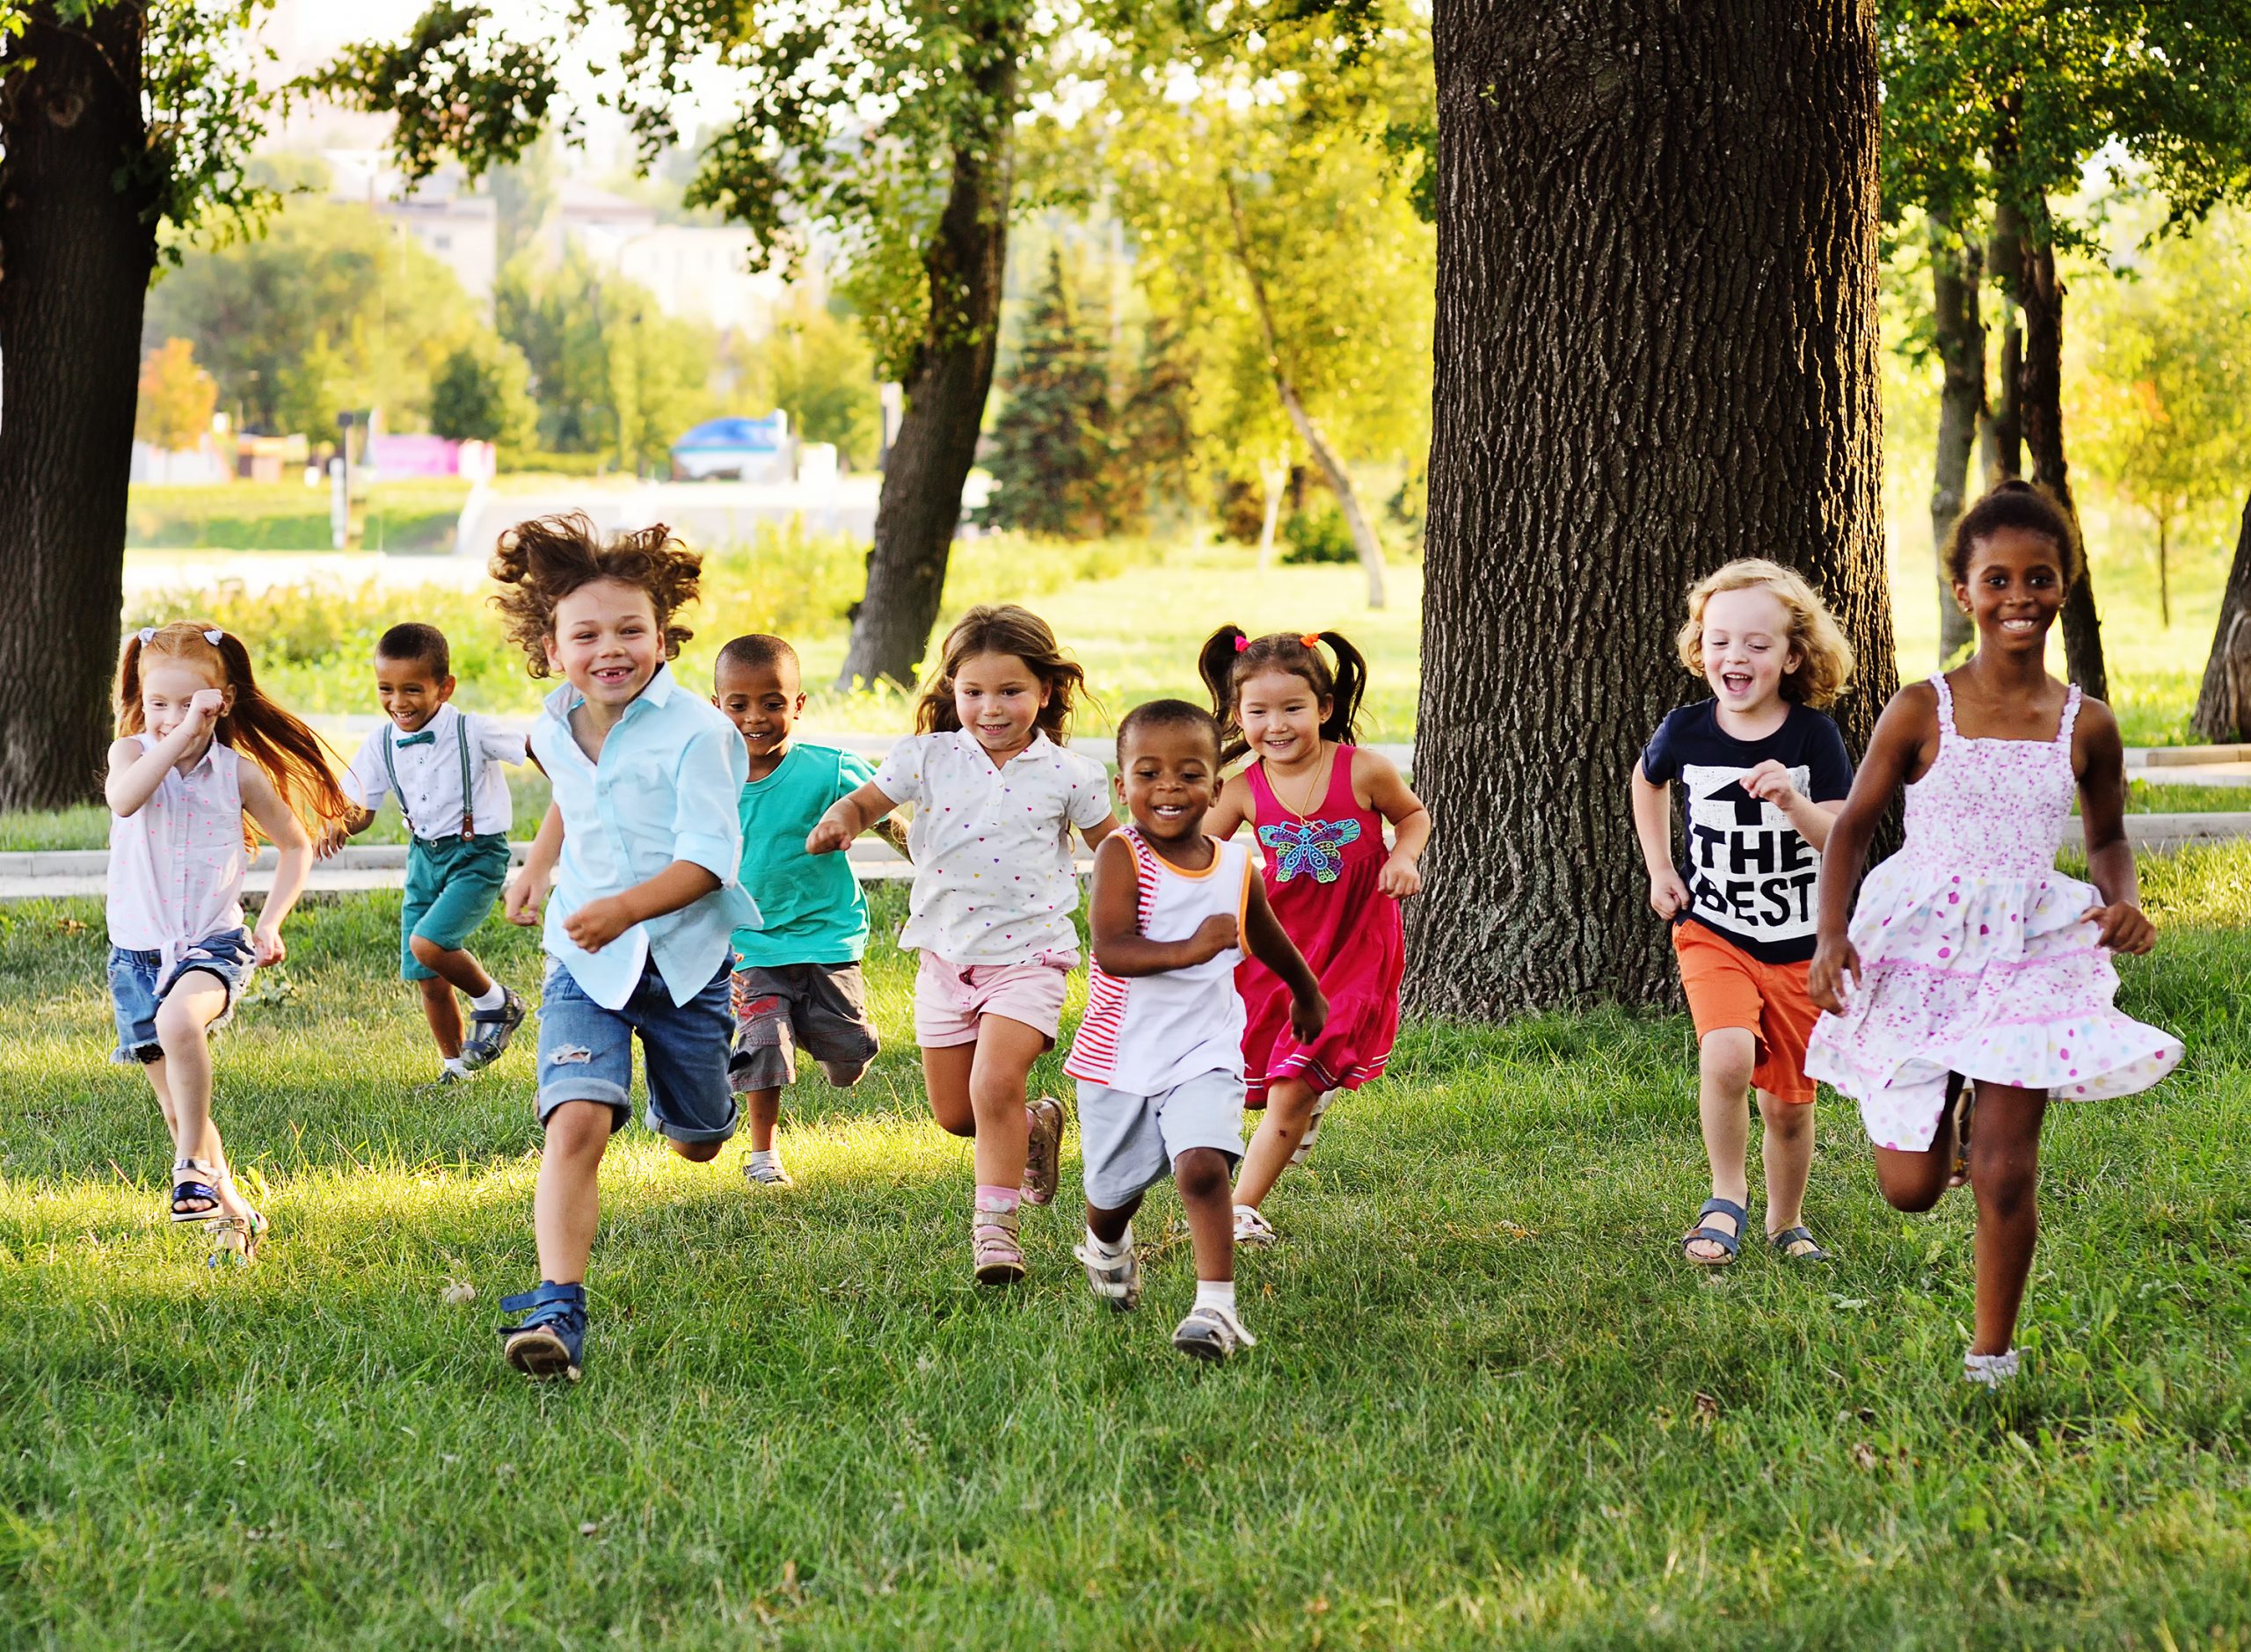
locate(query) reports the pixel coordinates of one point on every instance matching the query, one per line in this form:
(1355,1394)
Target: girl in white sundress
(1971,969)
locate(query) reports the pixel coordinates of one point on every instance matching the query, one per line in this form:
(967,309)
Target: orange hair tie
(1309,638)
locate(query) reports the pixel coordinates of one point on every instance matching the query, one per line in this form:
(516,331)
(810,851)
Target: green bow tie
(428,737)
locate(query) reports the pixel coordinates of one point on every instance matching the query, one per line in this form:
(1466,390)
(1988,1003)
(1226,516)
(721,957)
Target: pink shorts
(950,997)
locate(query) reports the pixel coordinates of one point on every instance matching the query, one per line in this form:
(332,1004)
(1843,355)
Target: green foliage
(819,368)
(611,373)
(1318,535)
(1489,1406)
(418,515)
(483,394)
(1053,449)
(330,310)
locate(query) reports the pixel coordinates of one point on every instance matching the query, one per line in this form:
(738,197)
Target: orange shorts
(1728,987)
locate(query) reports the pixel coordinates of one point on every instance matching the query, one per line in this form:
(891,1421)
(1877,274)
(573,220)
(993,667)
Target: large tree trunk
(2040,294)
(1655,352)
(1308,429)
(75,254)
(2004,432)
(1956,276)
(946,385)
(2224,705)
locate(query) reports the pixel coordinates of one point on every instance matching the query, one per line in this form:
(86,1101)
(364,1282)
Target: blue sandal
(1730,1243)
(548,1340)
(1813,1252)
(196,1182)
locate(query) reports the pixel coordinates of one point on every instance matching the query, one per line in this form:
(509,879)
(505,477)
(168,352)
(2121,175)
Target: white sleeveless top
(1145,1034)
(176,866)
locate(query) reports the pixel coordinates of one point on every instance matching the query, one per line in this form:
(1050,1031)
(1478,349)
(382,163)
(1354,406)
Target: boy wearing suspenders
(445,766)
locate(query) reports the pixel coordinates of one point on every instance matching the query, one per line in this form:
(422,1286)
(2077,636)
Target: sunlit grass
(1490,1405)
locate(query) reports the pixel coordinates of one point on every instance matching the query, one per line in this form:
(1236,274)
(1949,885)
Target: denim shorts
(138,982)
(585,1053)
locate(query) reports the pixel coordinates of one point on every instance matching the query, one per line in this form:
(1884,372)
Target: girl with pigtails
(203,764)
(1318,805)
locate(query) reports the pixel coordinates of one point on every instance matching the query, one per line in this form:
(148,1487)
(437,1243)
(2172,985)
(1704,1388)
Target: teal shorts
(450,887)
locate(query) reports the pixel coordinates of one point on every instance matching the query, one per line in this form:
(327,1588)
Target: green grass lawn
(1490,1405)
(409,516)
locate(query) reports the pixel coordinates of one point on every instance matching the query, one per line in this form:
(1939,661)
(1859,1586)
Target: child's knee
(1913,1194)
(697,1152)
(1787,1119)
(1201,1173)
(1290,1105)
(1726,1057)
(427,953)
(179,1025)
(576,1128)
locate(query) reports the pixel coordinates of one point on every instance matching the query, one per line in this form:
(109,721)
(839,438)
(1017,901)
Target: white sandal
(1252,1229)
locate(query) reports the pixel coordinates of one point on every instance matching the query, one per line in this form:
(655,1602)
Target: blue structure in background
(736,449)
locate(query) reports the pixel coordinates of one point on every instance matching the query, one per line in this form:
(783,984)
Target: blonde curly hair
(1825,658)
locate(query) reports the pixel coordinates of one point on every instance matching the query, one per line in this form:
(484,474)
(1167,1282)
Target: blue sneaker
(552,1334)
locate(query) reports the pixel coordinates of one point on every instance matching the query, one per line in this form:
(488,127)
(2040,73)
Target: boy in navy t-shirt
(1762,772)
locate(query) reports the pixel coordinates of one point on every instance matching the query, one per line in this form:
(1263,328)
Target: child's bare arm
(847,819)
(1265,940)
(1230,812)
(1669,895)
(1909,720)
(683,884)
(293,860)
(1378,779)
(527,891)
(1770,782)
(135,775)
(1113,922)
(2121,923)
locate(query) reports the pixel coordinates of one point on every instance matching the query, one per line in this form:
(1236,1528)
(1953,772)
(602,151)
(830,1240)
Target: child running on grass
(1762,772)
(995,796)
(1159,1057)
(200,750)
(445,765)
(641,843)
(797,982)
(1319,804)
(1968,956)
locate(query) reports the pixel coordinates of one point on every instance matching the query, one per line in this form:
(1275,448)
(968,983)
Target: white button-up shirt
(176,863)
(666,789)
(994,880)
(429,773)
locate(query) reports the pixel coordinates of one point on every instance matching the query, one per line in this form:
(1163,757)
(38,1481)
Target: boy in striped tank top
(1159,1056)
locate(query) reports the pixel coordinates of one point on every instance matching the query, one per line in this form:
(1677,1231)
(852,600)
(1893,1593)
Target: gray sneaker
(1043,1162)
(1117,1279)
(1211,1333)
(489,1030)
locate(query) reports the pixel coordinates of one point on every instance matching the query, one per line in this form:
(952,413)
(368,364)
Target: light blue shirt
(666,789)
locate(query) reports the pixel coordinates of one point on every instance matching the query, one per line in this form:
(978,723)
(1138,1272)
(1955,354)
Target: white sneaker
(1299,1153)
(1989,1371)
(1252,1229)
(765,1172)
(1209,1332)
(1117,1279)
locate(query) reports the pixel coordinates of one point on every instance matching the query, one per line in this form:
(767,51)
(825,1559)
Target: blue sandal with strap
(1729,1243)
(196,1182)
(548,1340)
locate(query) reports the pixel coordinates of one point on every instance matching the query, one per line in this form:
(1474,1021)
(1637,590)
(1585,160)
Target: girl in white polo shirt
(995,796)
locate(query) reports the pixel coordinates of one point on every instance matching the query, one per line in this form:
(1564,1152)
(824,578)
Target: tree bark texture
(2223,704)
(2005,431)
(2040,294)
(1655,352)
(1956,276)
(946,386)
(78,244)
(1308,429)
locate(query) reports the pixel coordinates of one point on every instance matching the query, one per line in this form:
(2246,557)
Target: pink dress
(1320,878)
(1973,957)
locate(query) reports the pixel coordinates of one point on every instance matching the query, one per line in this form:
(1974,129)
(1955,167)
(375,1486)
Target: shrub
(1319,534)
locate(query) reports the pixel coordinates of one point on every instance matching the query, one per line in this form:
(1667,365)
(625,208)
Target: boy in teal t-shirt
(796,981)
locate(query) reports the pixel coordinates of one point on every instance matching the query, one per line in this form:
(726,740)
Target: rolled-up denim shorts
(138,982)
(585,1053)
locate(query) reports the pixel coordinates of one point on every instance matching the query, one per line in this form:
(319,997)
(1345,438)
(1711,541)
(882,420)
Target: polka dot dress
(1974,958)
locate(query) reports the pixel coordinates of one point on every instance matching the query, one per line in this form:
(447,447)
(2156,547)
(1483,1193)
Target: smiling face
(763,702)
(168,682)
(1281,716)
(1168,778)
(998,698)
(1747,649)
(605,640)
(2014,589)
(411,693)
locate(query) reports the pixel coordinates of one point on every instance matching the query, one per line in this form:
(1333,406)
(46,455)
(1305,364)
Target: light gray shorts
(1127,1142)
